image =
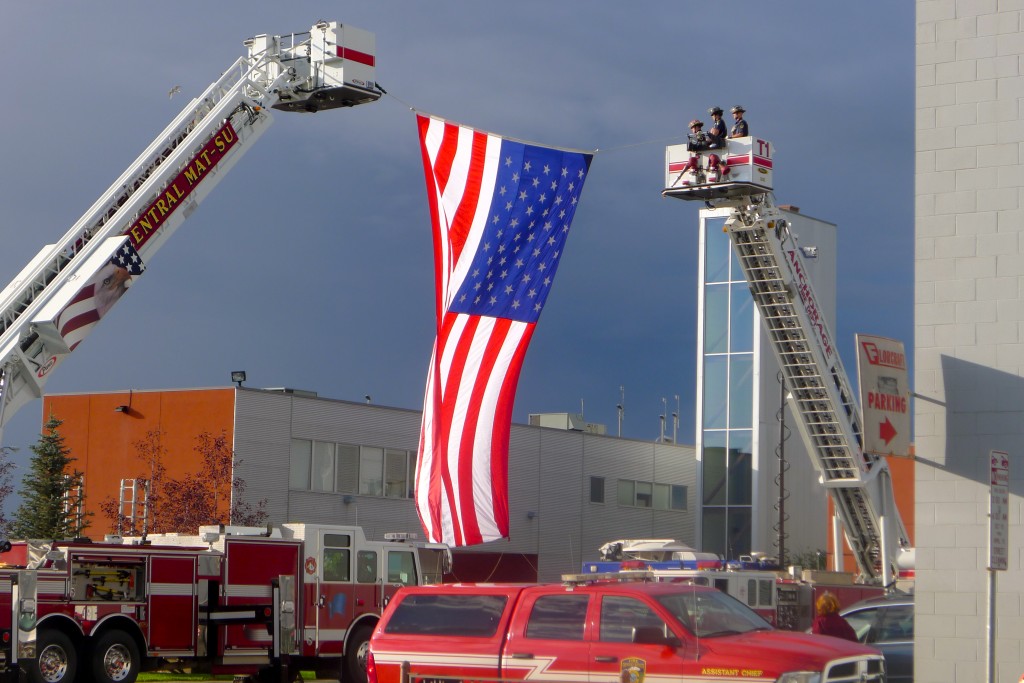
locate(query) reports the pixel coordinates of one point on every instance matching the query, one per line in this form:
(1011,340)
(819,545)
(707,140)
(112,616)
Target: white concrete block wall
(969,330)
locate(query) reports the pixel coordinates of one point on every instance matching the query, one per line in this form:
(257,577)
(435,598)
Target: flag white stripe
(425,462)
(470,369)
(482,485)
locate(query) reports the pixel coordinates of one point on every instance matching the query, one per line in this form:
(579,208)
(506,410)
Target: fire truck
(60,295)
(739,179)
(247,601)
(783,599)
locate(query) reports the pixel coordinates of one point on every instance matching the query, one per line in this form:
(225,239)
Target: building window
(597,489)
(645,494)
(727,403)
(347,468)
(396,470)
(627,492)
(298,476)
(644,497)
(323,466)
(716,395)
(678,500)
(371,471)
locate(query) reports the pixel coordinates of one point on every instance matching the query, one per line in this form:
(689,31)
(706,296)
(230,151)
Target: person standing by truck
(829,622)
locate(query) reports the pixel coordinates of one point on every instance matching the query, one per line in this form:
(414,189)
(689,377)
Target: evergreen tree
(47,489)
(6,488)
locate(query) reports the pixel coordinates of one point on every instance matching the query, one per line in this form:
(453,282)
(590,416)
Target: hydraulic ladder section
(829,419)
(305,72)
(27,357)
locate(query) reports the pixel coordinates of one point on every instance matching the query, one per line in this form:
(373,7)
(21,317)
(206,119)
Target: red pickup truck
(599,631)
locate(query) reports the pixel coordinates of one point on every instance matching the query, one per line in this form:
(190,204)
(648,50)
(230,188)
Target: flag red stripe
(500,430)
(467,445)
(449,403)
(442,168)
(440,482)
(464,215)
(424,123)
(81,320)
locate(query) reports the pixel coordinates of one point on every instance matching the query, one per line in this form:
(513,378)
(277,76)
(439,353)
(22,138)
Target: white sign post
(884,395)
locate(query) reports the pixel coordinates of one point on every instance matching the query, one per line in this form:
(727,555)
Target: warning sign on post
(999,511)
(884,395)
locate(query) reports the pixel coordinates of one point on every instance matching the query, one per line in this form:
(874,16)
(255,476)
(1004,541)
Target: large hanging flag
(501,211)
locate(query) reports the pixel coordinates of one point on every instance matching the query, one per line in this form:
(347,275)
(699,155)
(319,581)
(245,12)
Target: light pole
(675,422)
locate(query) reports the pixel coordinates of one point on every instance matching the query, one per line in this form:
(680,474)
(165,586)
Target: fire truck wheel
(355,654)
(115,659)
(57,661)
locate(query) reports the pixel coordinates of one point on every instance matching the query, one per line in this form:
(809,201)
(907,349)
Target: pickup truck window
(558,617)
(620,615)
(710,614)
(466,615)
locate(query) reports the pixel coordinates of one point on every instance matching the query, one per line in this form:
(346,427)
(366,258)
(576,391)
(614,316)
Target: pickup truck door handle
(606,659)
(522,655)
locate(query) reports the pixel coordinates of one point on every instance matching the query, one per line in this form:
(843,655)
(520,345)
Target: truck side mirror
(654,635)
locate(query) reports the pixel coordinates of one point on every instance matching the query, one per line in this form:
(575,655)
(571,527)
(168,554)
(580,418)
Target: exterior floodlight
(238,376)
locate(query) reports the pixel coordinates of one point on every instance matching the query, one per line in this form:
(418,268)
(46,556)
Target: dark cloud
(309,266)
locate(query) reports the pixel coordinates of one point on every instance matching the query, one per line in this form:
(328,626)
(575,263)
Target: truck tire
(115,658)
(356,650)
(57,661)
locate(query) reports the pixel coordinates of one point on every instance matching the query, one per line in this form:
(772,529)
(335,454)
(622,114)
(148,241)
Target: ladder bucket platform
(690,175)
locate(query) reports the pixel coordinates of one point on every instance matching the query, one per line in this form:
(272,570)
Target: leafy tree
(150,452)
(49,491)
(209,495)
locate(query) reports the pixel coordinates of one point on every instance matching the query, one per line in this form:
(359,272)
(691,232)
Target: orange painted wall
(902,470)
(102,439)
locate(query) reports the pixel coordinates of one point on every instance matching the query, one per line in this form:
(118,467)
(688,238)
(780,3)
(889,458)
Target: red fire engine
(238,600)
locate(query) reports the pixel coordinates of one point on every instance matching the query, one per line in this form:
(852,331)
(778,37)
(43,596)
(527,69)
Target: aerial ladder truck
(859,484)
(56,300)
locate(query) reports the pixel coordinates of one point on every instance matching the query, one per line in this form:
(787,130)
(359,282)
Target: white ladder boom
(329,66)
(829,419)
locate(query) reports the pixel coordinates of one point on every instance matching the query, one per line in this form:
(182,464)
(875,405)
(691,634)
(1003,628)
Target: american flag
(101,292)
(501,212)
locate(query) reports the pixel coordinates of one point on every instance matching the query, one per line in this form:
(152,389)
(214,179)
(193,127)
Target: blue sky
(310,264)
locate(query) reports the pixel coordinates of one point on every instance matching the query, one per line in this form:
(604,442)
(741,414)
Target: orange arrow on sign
(886,431)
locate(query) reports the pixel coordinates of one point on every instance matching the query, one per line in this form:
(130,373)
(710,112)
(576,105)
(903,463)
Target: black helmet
(715,110)
(737,108)
(696,122)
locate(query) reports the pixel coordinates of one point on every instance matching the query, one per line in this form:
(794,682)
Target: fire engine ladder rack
(821,396)
(244,83)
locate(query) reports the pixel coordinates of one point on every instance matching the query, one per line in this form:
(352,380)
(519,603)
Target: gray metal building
(322,460)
